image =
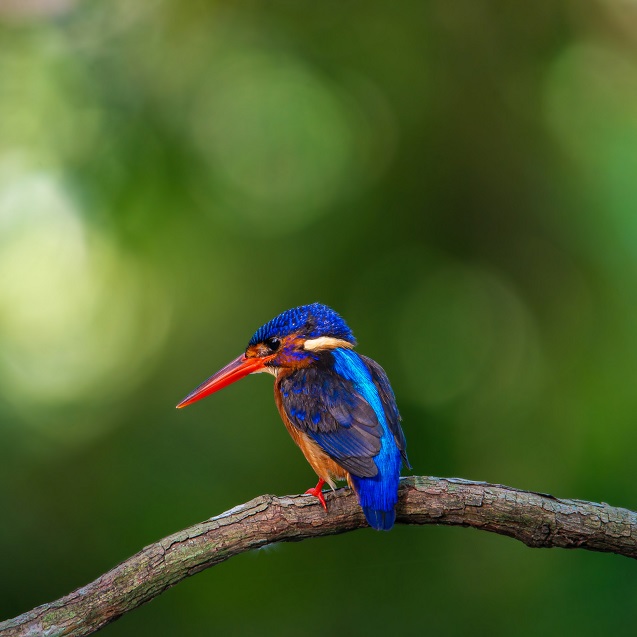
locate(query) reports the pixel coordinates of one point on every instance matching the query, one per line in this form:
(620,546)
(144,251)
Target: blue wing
(330,408)
(346,405)
(390,408)
(322,404)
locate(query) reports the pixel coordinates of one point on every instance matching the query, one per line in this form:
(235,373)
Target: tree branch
(536,519)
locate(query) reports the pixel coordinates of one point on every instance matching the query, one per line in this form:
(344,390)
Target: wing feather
(325,406)
(388,400)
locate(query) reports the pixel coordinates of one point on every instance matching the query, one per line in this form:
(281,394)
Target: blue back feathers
(377,495)
(311,321)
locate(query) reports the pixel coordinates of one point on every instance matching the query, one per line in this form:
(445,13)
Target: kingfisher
(337,405)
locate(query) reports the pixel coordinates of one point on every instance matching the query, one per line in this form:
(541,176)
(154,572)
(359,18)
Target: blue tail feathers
(380,520)
(377,495)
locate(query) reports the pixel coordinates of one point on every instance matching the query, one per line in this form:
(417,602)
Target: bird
(336,404)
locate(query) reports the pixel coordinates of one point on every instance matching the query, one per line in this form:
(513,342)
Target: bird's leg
(317,492)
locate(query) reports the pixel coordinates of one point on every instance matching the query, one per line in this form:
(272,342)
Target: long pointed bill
(233,371)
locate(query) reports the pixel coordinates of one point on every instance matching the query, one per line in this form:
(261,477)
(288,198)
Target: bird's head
(293,339)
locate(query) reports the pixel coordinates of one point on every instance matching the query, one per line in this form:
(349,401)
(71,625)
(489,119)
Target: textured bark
(536,519)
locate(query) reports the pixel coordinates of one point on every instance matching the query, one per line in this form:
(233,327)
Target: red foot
(318,493)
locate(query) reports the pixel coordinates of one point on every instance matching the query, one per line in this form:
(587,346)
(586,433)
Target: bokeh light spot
(78,319)
(47,104)
(591,108)
(277,138)
(467,331)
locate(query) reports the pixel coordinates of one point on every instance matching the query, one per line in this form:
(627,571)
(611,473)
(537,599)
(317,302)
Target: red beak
(233,371)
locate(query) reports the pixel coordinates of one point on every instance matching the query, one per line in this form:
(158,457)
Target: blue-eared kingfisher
(337,405)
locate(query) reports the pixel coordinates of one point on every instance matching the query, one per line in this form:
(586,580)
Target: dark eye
(272,343)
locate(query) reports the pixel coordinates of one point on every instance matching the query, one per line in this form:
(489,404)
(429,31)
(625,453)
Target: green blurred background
(458,179)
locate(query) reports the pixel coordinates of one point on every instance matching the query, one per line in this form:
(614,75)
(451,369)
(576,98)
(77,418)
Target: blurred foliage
(458,179)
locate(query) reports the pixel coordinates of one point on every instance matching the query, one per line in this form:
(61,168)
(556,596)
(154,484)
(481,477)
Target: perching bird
(337,405)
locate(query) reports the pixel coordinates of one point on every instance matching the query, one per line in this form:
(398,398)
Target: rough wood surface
(537,519)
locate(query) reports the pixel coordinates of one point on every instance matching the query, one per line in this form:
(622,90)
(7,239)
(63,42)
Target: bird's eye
(272,343)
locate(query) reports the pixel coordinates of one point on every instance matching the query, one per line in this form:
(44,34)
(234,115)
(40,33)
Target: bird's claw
(317,492)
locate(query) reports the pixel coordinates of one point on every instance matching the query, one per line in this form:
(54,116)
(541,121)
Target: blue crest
(311,321)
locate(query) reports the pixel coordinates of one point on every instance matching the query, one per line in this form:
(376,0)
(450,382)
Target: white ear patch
(325,342)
